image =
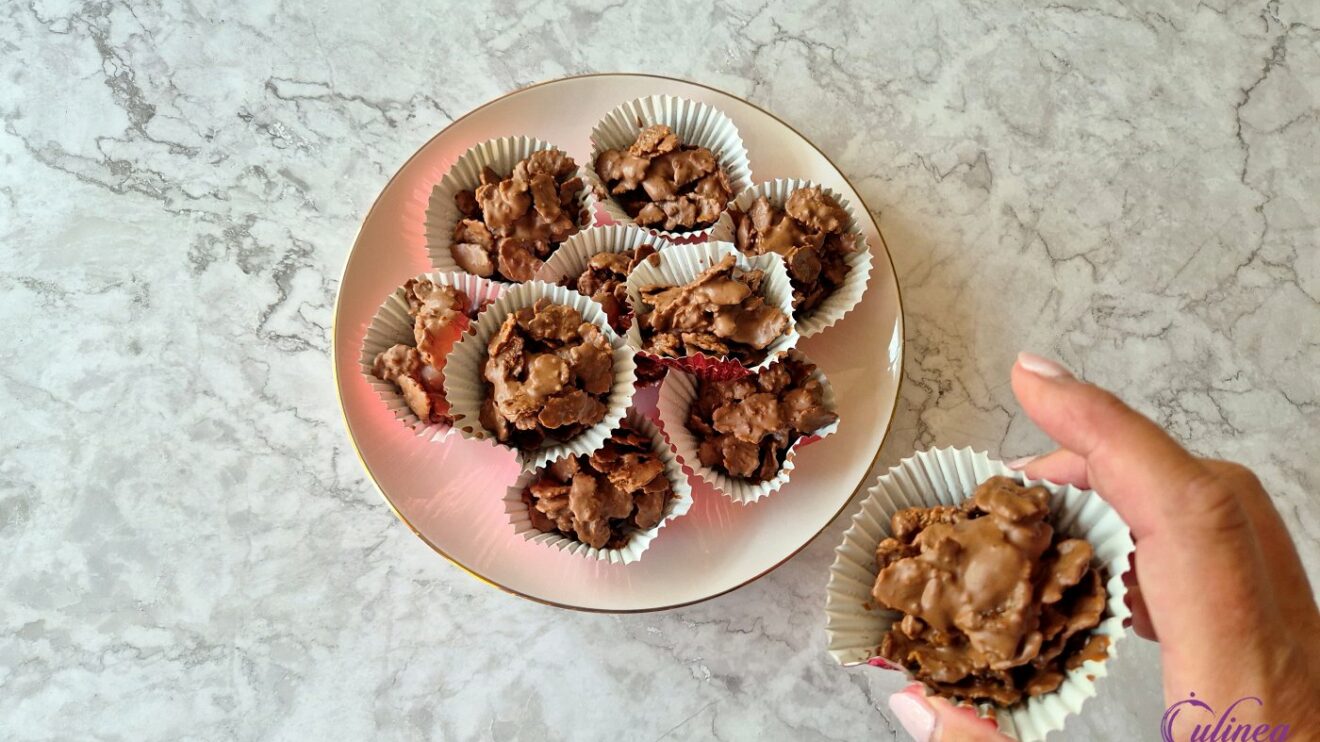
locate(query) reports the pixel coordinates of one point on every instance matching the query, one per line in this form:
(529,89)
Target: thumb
(933,719)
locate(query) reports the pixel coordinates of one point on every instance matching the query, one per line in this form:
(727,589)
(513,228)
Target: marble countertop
(190,547)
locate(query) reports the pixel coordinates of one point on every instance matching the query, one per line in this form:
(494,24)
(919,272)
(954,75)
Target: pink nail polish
(914,714)
(1042,366)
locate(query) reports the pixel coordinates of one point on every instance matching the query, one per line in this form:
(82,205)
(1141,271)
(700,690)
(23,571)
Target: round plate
(449,493)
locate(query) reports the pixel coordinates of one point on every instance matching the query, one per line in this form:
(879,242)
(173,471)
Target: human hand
(1217,580)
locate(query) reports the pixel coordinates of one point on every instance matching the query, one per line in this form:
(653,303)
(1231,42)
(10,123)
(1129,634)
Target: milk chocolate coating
(602,498)
(996,605)
(664,183)
(511,224)
(746,426)
(721,313)
(810,233)
(603,280)
(548,372)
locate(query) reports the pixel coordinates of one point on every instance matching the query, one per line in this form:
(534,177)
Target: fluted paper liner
(677,505)
(679,390)
(847,294)
(392,326)
(696,124)
(680,264)
(465,175)
(466,388)
(947,476)
(570,260)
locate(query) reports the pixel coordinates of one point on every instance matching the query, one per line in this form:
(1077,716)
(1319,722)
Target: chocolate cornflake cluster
(602,498)
(511,224)
(810,232)
(549,374)
(746,426)
(664,183)
(720,313)
(603,280)
(997,605)
(440,314)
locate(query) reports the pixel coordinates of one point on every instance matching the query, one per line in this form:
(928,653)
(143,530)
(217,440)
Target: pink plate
(449,492)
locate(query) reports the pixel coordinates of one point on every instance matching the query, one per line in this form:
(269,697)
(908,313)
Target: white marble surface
(189,547)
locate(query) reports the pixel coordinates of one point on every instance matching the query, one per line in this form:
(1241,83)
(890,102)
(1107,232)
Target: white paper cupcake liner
(947,476)
(696,124)
(392,326)
(466,388)
(846,295)
(570,260)
(680,264)
(679,390)
(678,505)
(465,175)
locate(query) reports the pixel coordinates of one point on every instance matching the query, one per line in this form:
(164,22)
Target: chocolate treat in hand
(997,605)
(510,224)
(664,183)
(720,313)
(746,426)
(440,315)
(810,232)
(603,280)
(549,374)
(600,499)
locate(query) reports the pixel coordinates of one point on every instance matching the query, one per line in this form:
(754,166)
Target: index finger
(1201,569)
(1152,481)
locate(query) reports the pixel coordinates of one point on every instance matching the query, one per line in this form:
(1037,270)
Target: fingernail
(1042,366)
(1016,464)
(914,714)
